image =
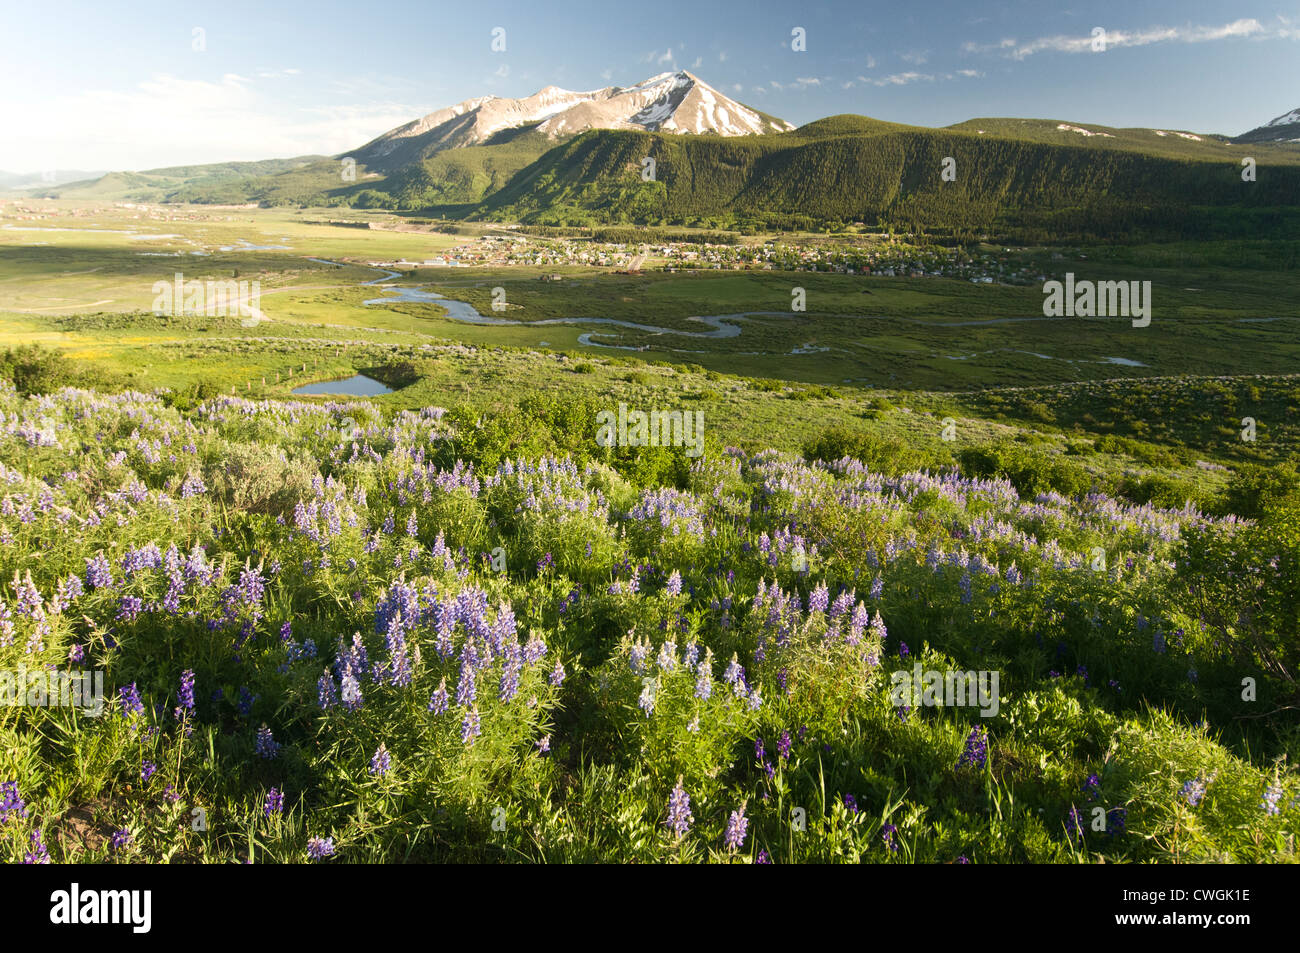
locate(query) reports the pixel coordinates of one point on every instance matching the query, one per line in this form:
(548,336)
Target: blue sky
(104,86)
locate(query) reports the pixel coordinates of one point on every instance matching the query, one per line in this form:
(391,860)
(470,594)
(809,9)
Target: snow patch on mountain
(1084,132)
(678,102)
(1292,117)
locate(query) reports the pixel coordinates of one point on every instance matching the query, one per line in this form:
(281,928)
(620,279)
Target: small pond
(358,386)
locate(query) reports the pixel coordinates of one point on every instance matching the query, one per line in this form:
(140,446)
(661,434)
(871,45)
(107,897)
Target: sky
(147,84)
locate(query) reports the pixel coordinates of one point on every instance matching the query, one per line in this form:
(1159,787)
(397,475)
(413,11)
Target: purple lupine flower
(326,696)
(637,655)
(438,701)
(783,746)
(318,848)
(647,700)
(544,744)
(735,673)
(763,857)
(534,650)
(274,803)
(975,754)
(350,691)
(889,834)
(510,672)
(381,761)
(99,574)
(703,681)
(1116,818)
(851,803)
(679,811)
(557,674)
(38,854)
(902,650)
(1074,825)
(129,697)
(130,608)
(76,653)
(674,586)
(737,827)
(820,598)
(267,747)
(759,750)
(692,654)
(1272,795)
(186,694)
(121,839)
(11,805)
(667,658)
(1092,786)
(467,685)
(1194,790)
(147,771)
(471,727)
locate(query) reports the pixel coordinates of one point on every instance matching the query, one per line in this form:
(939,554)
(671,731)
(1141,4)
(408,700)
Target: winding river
(720,325)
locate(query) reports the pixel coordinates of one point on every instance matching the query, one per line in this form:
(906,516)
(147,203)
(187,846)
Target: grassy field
(929,333)
(566,651)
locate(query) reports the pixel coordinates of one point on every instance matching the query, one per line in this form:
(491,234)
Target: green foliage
(883,454)
(34,369)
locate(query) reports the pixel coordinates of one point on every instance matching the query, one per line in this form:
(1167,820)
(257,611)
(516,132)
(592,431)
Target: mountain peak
(1285,128)
(676,102)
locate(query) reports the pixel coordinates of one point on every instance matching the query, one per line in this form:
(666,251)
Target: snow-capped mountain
(670,102)
(1285,128)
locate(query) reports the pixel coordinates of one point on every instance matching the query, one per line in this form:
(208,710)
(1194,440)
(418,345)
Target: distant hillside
(164,185)
(16,181)
(563,158)
(845,169)
(1285,128)
(1171,143)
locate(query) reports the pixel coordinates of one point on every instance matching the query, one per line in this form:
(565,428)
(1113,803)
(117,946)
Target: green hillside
(891,176)
(1025,179)
(169,184)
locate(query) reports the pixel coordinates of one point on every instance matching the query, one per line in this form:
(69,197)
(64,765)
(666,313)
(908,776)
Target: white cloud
(1115,39)
(903,79)
(915,57)
(166,120)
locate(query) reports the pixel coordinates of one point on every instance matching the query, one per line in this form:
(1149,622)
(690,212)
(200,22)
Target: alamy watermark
(1087,299)
(228,298)
(41,688)
(933,688)
(658,428)
(127,907)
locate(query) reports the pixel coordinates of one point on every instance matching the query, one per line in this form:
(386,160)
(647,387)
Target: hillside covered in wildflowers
(327,634)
